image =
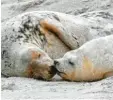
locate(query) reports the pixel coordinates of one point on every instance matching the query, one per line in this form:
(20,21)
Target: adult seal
(31,40)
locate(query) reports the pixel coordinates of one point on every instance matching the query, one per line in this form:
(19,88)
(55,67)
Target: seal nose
(56,62)
(53,70)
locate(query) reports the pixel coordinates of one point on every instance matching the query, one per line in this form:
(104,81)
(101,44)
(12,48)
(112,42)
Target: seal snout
(55,66)
(56,63)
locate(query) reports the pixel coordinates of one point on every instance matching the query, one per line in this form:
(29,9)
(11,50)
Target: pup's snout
(56,62)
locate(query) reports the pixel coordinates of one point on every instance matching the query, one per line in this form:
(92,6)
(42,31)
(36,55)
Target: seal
(91,62)
(31,40)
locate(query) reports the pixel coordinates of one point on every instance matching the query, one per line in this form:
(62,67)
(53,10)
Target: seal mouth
(60,73)
(57,71)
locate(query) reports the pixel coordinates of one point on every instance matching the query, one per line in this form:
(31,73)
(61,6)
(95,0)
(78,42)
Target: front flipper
(108,74)
(59,30)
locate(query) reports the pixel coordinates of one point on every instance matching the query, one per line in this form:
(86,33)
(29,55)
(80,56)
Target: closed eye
(71,63)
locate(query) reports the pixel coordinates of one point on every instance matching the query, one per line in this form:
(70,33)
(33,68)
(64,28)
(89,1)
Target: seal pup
(92,61)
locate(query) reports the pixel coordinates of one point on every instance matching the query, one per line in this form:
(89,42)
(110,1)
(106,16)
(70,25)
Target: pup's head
(66,66)
(38,64)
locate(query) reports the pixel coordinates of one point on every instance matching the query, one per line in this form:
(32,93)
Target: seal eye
(71,63)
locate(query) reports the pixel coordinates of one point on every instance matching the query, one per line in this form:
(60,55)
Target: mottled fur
(30,41)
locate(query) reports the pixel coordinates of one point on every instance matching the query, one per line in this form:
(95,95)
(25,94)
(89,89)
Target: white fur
(98,51)
(74,33)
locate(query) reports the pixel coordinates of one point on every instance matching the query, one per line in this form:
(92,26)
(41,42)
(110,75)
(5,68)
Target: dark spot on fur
(13,29)
(33,29)
(7,64)
(29,19)
(25,26)
(76,41)
(36,27)
(12,23)
(108,33)
(4,75)
(25,40)
(106,15)
(4,54)
(12,38)
(19,36)
(97,28)
(56,18)
(21,30)
(6,38)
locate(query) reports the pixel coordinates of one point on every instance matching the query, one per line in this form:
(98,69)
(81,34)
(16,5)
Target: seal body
(92,61)
(30,41)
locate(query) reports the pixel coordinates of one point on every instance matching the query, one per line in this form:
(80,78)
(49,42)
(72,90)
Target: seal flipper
(108,74)
(59,30)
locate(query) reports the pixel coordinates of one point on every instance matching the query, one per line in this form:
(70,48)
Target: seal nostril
(56,62)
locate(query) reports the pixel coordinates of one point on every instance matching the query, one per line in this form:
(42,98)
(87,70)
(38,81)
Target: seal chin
(50,74)
(40,78)
(46,77)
